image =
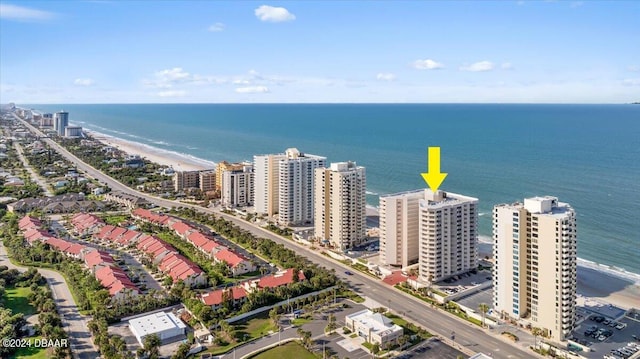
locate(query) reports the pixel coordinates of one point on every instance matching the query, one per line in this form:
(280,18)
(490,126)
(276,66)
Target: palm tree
(484,308)
(536,332)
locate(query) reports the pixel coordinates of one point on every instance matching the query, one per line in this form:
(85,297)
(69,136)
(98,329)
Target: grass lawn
(115,219)
(30,353)
(16,300)
(254,327)
(288,350)
(300,321)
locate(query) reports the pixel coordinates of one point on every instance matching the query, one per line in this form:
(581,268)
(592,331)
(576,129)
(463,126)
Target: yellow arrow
(434,177)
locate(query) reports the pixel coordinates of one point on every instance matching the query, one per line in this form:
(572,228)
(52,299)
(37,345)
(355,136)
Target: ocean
(586,155)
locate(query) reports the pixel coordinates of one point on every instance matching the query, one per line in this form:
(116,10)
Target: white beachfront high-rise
(340,204)
(437,230)
(283,184)
(535,263)
(237,187)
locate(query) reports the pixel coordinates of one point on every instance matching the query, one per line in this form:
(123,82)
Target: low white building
(165,325)
(374,327)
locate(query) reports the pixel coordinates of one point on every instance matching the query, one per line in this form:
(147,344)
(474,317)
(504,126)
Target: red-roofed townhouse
(59,244)
(214,299)
(97,258)
(237,263)
(211,247)
(34,234)
(182,229)
(116,233)
(192,275)
(104,232)
(273,281)
(197,239)
(128,238)
(117,282)
(28,222)
(75,250)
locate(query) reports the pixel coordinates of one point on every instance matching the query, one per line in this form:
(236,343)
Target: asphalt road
(436,321)
(74,324)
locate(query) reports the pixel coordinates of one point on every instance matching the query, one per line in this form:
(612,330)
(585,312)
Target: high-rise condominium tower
(340,204)
(535,263)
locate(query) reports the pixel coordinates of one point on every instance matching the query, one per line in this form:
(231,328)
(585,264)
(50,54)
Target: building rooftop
(442,199)
(377,322)
(155,323)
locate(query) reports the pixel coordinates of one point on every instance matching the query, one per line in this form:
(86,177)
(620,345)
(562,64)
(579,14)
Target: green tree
(151,344)
(484,308)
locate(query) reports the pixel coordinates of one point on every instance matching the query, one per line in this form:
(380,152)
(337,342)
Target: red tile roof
(182,228)
(278,279)
(75,249)
(395,278)
(127,237)
(197,239)
(215,297)
(97,257)
(104,232)
(231,258)
(27,222)
(210,246)
(58,244)
(117,232)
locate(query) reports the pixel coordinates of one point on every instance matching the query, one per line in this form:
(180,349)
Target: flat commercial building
(340,205)
(165,325)
(375,328)
(535,263)
(283,184)
(237,187)
(438,229)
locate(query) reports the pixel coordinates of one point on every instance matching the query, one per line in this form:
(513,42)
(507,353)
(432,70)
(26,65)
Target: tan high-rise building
(283,184)
(436,230)
(399,234)
(207,180)
(340,205)
(226,166)
(185,179)
(535,263)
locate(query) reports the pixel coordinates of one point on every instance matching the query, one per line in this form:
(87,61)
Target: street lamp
(453,337)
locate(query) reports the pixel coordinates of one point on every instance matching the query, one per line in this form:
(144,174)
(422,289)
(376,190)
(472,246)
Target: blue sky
(347,51)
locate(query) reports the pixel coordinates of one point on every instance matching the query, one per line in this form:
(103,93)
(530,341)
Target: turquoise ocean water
(587,155)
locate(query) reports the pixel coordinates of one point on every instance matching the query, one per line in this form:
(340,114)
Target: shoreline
(616,285)
(178,161)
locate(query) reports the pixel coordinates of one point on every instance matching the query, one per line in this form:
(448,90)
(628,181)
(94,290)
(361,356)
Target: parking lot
(607,336)
(431,349)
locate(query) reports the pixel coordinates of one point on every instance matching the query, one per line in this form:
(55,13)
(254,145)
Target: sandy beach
(179,161)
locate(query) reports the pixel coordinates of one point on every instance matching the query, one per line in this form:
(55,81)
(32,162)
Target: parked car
(348,272)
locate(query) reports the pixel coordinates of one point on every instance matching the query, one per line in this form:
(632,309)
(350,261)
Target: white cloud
(172,93)
(386,77)
(241,82)
(20,13)
(252,89)
(427,64)
(506,66)
(274,14)
(217,27)
(83,82)
(478,66)
(576,4)
(631,82)
(174,74)
(633,68)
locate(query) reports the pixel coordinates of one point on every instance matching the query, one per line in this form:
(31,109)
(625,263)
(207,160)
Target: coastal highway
(436,321)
